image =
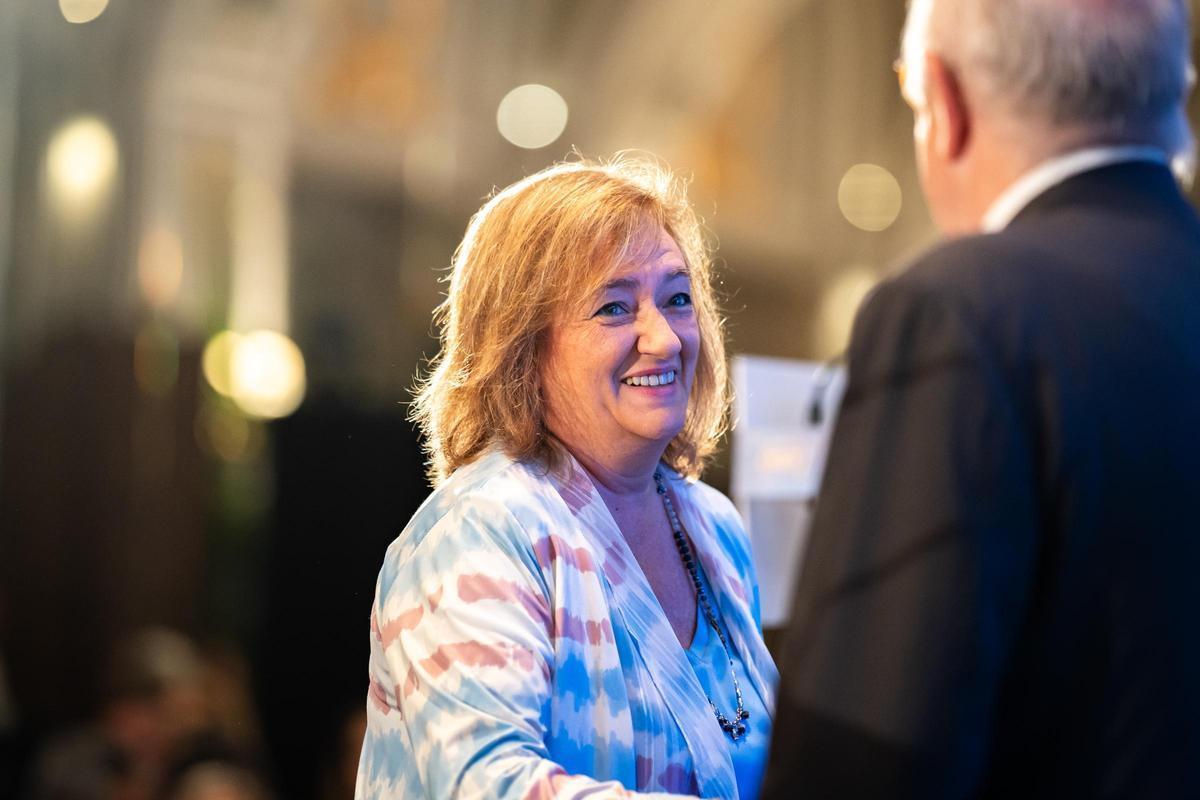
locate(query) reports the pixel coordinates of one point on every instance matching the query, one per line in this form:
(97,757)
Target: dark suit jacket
(1001,597)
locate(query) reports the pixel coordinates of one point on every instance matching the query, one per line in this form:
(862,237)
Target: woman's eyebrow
(621,283)
(632,283)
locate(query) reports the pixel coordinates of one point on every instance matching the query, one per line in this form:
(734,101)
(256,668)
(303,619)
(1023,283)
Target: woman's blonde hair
(533,252)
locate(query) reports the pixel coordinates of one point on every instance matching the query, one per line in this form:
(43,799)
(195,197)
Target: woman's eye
(680,300)
(610,310)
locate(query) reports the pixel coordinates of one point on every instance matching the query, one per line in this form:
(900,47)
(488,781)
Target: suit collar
(1125,186)
(1055,171)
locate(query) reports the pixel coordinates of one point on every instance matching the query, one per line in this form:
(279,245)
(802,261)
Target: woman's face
(618,373)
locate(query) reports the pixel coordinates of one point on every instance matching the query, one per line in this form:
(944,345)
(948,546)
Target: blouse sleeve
(461,668)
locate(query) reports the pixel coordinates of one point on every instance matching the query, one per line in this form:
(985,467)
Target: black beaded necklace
(736,727)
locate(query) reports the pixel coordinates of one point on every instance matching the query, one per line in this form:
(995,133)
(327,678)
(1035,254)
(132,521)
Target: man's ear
(948,108)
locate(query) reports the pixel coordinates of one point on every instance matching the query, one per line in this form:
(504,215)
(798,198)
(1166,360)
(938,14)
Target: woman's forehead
(651,249)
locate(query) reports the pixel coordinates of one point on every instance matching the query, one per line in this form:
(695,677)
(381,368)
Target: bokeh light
(217,362)
(225,432)
(82,161)
(260,271)
(267,374)
(160,267)
(532,116)
(80,11)
(870,197)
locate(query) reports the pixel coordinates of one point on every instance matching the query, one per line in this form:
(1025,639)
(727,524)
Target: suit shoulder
(1000,282)
(974,265)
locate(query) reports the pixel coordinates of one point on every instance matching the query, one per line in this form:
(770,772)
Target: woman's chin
(659,434)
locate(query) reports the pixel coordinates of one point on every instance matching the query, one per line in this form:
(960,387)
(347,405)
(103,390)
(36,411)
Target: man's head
(998,86)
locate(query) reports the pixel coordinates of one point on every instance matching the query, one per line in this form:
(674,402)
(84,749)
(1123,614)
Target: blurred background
(222,227)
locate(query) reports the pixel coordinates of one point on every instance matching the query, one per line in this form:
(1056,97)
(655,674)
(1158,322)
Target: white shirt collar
(1050,173)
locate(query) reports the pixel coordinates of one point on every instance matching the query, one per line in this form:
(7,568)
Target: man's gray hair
(1099,63)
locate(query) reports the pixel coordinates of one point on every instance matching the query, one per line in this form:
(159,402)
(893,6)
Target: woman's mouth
(656,379)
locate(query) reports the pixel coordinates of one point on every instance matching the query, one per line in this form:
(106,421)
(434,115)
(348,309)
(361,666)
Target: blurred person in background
(230,713)
(218,780)
(167,707)
(997,600)
(211,766)
(152,700)
(572,613)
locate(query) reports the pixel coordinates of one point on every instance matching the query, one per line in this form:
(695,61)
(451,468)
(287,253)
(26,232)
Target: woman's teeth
(661,379)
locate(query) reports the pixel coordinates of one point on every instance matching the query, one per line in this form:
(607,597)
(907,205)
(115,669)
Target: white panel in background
(784,412)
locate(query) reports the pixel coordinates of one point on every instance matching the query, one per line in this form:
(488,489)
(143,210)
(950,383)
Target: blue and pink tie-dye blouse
(517,650)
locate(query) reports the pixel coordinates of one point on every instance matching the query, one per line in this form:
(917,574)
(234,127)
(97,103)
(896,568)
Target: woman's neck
(627,476)
(630,494)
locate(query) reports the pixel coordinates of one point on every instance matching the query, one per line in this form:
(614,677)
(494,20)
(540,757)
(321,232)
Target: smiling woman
(617,375)
(537,253)
(572,612)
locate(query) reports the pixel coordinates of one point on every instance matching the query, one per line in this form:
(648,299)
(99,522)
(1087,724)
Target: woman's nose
(656,337)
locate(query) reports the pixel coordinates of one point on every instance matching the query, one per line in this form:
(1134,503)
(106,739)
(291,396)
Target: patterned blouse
(517,650)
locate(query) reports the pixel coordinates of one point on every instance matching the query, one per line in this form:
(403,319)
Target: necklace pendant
(733,728)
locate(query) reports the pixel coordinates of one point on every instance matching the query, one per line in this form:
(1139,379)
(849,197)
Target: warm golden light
(217,362)
(82,162)
(532,116)
(160,267)
(259,274)
(226,433)
(80,11)
(267,374)
(870,197)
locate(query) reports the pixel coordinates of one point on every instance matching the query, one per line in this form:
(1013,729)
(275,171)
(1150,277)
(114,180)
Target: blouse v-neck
(708,659)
